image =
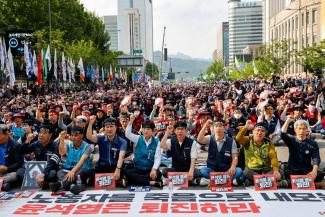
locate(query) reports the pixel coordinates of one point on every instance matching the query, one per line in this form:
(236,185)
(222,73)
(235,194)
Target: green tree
(313,58)
(215,71)
(152,70)
(277,56)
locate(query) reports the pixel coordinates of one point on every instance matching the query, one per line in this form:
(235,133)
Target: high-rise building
(245,26)
(135,27)
(298,21)
(111,27)
(223,42)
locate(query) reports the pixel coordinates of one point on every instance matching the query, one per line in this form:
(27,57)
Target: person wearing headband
(112,149)
(222,152)
(77,164)
(182,150)
(260,154)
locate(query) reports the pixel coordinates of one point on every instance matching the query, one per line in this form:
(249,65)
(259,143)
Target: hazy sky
(191,25)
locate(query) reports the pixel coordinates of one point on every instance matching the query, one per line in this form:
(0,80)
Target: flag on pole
(103,74)
(64,72)
(44,64)
(40,68)
(55,65)
(26,58)
(111,76)
(237,62)
(69,69)
(10,68)
(255,68)
(73,70)
(81,69)
(48,57)
(35,67)
(120,77)
(2,55)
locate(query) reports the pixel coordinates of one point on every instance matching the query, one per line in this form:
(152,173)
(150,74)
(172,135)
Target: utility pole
(162,54)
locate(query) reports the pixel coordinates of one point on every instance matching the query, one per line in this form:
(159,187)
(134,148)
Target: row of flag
(7,69)
(40,65)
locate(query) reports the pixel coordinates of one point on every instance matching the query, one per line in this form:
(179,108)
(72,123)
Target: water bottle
(79,182)
(170,188)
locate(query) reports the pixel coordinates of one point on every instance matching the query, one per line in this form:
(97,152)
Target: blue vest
(109,151)
(74,156)
(18,132)
(220,161)
(181,154)
(144,156)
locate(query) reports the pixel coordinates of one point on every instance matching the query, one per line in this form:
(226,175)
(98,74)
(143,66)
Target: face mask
(311,108)
(134,103)
(237,116)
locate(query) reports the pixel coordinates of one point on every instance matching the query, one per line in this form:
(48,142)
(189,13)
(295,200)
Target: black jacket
(14,158)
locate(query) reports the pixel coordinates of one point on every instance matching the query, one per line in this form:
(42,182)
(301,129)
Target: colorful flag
(2,55)
(10,68)
(111,76)
(55,65)
(48,57)
(40,68)
(64,68)
(255,68)
(35,66)
(44,64)
(73,70)
(120,77)
(103,74)
(26,59)
(81,69)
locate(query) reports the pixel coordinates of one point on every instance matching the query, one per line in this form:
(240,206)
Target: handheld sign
(126,100)
(179,179)
(265,182)
(159,101)
(34,169)
(302,182)
(220,181)
(104,181)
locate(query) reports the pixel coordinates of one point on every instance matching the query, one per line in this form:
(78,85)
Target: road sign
(137,52)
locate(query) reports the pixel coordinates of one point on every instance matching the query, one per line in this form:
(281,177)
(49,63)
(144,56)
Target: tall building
(245,26)
(135,27)
(223,42)
(111,27)
(298,21)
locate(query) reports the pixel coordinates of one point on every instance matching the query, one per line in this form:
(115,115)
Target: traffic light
(165,54)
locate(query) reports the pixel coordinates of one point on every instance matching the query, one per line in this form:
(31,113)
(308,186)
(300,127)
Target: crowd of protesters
(141,133)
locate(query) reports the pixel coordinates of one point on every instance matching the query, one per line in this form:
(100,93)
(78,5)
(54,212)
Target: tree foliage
(215,72)
(313,58)
(152,70)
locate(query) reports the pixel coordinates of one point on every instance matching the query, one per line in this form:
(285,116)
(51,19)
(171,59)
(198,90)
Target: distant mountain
(182,63)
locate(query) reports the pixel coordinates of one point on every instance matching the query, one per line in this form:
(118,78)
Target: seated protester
(222,153)
(297,115)
(147,156)
(45,149)
(138,118)
(124,120)
(182,149)
(271,123)
(234,122)
(77,164)
(171,122)
(304,157)
(17,127)
(260,154)
(10,158)
(201,119)
(53,120)
(101,117)
(314,118)
(30,135)
(112,148)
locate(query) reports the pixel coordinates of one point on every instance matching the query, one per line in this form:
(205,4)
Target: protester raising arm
(92,137)
(201,137)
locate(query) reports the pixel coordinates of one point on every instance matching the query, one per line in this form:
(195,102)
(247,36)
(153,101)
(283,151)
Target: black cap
(110,121)
(181,124)
(29,122)
(77,130)
(298,107)
(47,128)
(260,126)
(148,124)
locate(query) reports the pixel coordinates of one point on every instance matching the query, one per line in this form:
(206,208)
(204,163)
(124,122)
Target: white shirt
(135,138)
